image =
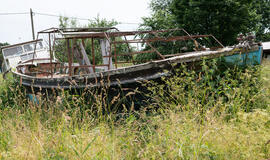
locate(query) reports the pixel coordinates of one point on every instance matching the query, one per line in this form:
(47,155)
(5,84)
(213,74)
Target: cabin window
(27,56)
(30,47)
(39,45)
(13,51)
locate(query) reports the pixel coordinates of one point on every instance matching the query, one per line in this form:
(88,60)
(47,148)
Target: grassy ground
(50,131)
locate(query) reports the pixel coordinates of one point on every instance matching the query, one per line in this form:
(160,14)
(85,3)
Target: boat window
(27,56)
(13,51)
(28,47)
(39,45)
(31,46)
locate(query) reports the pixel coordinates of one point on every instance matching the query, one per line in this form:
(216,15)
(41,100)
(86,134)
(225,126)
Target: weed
(181,118)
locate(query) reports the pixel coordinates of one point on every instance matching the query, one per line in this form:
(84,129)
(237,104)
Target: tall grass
(224,89)
(213,113)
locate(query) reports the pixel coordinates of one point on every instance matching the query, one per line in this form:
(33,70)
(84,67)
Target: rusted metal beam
(35,48)
(69,58)
(115,56)
(50,49)
(156,50)
(86,66)
(112,34)
(133,53)
(129,50)
(87,30)
(218,41)
(49,30)
(18,44)
(109,53)
(93,54)
(175,38)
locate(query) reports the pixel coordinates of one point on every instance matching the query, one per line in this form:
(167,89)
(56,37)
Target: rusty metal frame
(93,54)
(73,34)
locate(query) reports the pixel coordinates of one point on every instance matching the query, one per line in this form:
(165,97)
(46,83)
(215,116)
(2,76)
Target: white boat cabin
(16,54)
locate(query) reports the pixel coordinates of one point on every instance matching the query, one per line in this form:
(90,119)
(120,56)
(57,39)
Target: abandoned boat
(89,57)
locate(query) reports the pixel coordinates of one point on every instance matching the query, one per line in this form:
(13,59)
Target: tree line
(225,19)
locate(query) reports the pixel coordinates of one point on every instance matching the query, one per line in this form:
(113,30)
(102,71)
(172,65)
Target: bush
(212,87)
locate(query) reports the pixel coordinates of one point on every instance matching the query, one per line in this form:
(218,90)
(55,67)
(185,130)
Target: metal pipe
(110,53)
(115,57)
(69,58)
(156,50)
(129,50)
(35,50)
(50,47)
(72,51)
(195,42)
(93,54)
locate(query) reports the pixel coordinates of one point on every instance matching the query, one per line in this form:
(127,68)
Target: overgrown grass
(224,89)
(210,114)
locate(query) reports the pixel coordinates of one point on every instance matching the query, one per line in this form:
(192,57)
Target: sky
(17,28)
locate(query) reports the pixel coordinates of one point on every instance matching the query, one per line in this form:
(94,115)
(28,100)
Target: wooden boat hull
(147,71)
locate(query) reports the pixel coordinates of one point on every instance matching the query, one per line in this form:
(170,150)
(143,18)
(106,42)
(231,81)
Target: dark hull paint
(127,76)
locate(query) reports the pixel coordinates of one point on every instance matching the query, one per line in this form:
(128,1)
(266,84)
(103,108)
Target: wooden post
(32,23)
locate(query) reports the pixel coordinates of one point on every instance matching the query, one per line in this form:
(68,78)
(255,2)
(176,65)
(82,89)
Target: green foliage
(214,86)
(1,54)
(11,94)
(263,27)
(66,22)
(225,19)
(101,22)
(161,17)
(189,122)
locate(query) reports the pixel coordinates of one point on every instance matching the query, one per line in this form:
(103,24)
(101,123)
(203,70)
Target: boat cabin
(14,55)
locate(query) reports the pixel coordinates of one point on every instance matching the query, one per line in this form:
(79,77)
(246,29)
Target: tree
(263,27)
(161,17)
(223,18)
